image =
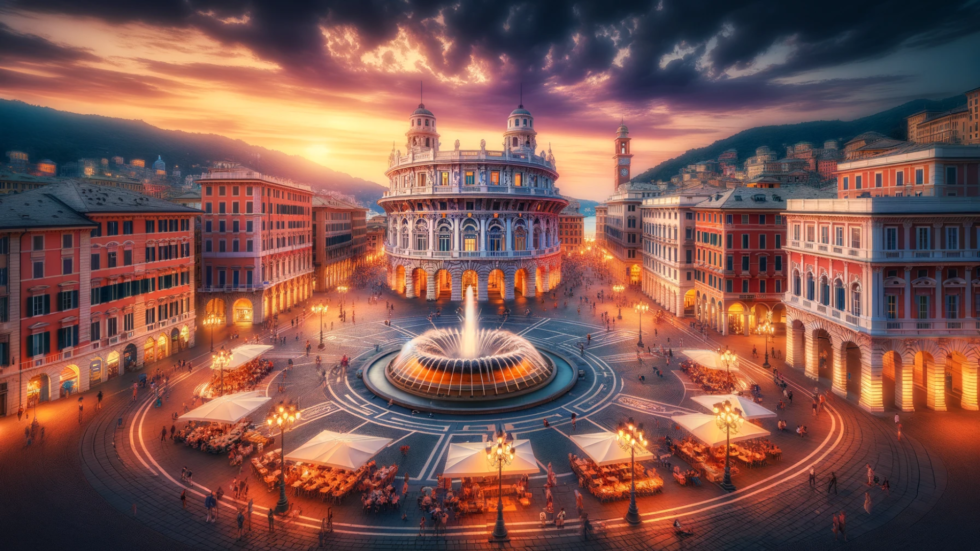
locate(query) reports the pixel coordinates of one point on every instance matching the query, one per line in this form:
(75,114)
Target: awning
(470,459)
(750,409)
(709,359)
(603,448)
(343,451)
(228,409)
(702,426)
(244,354)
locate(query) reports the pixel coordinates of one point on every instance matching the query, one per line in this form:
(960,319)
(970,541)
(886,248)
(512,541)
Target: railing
(475,254)
(879,255)
(436,190)
(470,155)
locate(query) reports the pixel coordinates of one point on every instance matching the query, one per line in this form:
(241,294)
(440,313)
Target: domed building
(476,217)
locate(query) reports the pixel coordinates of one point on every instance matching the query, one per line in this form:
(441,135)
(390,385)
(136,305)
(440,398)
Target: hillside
(890,122)
(42,133)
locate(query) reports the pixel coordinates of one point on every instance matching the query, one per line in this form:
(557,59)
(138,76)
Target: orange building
(94,281)
(946,170)
(257,246)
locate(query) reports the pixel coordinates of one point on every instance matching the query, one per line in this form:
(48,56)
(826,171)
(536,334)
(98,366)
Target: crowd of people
(712,381)
(236,439)
(612,482)
(240,379)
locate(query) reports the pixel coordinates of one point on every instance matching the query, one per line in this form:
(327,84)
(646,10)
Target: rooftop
(910,152)
(743,198)
(322,201)
(887,205)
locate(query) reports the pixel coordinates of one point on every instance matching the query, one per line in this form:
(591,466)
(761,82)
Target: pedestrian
(560,519)
(251,505)
(183,499)
(241,524)
(871,474)
(99,398)
(896,419)
(790,396)
(80,408)
(272,521)
(814,407)
(208,504)
(173,429)
(836,526)
(163,433)
(833,483)
(190,478)
(135,390)
(813,479)
(183,474)
(842,525)
(573,421)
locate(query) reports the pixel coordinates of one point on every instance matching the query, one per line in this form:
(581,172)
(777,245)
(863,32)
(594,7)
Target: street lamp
(282,416)
(729,419)
(210,321)
(630,437)
(729,360)
(321,309)
(500,452)
(618,289)
(640,308)
(767,329)
(221,359)
(343,291)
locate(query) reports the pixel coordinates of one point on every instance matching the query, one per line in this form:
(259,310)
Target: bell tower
(622,156)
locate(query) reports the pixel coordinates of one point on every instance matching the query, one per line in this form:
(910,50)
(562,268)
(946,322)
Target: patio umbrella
(341,450)
(228,409)
(603,448)
(470,459)
(702,426)
(709,359)
(244,354)
(750,409)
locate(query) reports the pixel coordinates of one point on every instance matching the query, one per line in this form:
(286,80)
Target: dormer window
(759,198)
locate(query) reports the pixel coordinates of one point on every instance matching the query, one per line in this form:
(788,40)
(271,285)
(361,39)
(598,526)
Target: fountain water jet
(469,350)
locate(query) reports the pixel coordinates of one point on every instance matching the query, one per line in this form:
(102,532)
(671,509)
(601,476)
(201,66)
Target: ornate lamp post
(321,309)
(768,330)
(210,321)
(729,359)
(500,452)
(630,437)
(282,416)
(729,419)
(343,291)
(221,359)
(640,308)
(617,289)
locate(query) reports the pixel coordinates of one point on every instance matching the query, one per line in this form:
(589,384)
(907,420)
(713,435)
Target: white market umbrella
(702,426)
(709,359)
(750,409)
(343,451)
(470,459)
(603,448)
(244,354)
(228,409)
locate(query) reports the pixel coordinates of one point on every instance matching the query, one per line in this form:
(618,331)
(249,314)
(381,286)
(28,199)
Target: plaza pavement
(78,487)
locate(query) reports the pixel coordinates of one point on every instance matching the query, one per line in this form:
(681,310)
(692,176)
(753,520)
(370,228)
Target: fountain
(469,370)
(469,364)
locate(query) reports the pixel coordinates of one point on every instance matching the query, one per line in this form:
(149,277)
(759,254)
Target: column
(839,374)
(481,287)
(745,324)
(935,385)
(431,289)
(483,234)
(510,235)
(456,283)
(903,384)
(871,382)
(530,234)
(969,400)
(456,225)
(508,276)
(791,351)
(530,284)
(409,283)
(908,293)
(432,235)
(811,366)
(545,287)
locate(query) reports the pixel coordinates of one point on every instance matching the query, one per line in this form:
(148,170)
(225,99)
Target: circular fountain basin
(562,378)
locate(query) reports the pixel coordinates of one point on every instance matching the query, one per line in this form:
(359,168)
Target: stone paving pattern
(79,486)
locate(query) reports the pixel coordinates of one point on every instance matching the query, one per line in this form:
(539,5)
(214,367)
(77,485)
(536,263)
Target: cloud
(18,47)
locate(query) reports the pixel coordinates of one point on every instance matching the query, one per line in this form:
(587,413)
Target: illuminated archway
(217,307)
(471,279)
(150,351)
(242,311)
(69,380)
(496,282)
(112,365)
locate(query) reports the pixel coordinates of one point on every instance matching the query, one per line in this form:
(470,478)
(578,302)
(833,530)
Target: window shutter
(46,338)
(47,304)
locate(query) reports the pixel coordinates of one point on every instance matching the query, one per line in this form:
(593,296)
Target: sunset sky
(335,81)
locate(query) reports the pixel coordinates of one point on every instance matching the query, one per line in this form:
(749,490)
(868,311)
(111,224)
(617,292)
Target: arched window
(421,235)
(797,286)
(840,300)
(427,122)
(856,299)
(470,238)
(809,286)
(419,123)
(824,291)
(405,236)
(514,141)
(495,240)
(525,122)
(427,142)
(445,238)
(520,239)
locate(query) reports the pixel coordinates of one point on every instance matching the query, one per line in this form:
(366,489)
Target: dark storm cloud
(19,47)
(573,44)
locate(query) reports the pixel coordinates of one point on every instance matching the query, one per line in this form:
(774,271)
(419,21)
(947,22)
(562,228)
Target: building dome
(622,130)
(159,164)
(423,111)
(520,111)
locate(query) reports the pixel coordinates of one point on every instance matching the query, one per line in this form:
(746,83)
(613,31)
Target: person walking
(183,499)
(272,521)
(560,519)
(833,483)
(813,479)
(871,474)
(209,504)
(251,504)
(80,408)
(573,421)
(842,526)
(241,524)
(867,503)
(99,398)
(163,433)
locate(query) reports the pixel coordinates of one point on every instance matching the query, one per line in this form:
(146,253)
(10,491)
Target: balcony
(475,254)
(881,255)
(470,156)
(475,189)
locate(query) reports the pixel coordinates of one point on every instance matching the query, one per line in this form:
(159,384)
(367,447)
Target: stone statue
(483,175)
(456,177)
(457,145)
(483,145)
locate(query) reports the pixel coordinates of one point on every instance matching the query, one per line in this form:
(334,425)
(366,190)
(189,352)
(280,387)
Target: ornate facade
(482,218)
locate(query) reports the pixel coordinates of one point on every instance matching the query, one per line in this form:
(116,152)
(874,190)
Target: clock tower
(622,156)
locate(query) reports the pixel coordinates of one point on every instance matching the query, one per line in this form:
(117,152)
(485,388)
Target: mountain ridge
(890,122)
(62,136)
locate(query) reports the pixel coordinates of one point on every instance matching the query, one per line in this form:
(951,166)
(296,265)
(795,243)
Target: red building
(93,281)
(740,265)
(257,246)
(883,301)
